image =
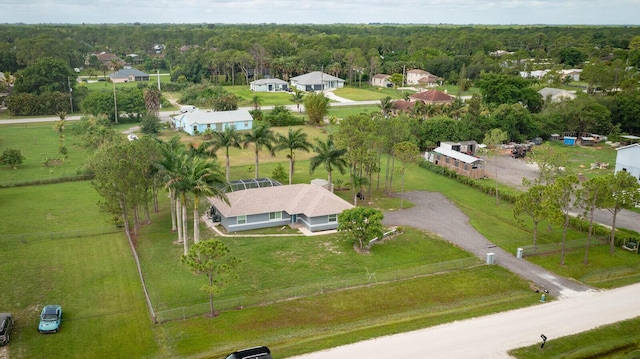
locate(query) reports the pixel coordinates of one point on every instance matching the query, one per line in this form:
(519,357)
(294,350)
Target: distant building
(556,95)
(316,81)
(423,78)
(432,97)
(269,85)
(381,80)
(128,75)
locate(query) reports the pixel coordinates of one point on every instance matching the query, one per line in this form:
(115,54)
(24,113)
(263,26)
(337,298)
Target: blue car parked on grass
(50,319)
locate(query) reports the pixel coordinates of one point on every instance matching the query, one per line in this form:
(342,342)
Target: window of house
(333,218)
(218,127)
(242,219)
(246,123)
(275,216)
(208,125)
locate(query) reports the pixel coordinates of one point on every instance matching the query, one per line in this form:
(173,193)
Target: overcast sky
(570,12)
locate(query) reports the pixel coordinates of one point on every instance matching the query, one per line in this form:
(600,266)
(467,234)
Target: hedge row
(483,185)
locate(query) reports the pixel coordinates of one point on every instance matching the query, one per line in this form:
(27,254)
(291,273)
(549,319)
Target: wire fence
(24,238)
(309,289)
(542,249)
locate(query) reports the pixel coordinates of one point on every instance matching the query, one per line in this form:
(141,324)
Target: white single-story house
(556,95)
(535,74)
(628,160)
(269,85)
(381,80)
(316,81)
(199,121)
(128,75)
(459,162)
(295,205)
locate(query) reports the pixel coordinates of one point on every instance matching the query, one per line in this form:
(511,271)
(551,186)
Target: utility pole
(70,93)
(158,75)
(115,101)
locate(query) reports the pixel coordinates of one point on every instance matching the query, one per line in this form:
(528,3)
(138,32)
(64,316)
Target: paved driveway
(435,213)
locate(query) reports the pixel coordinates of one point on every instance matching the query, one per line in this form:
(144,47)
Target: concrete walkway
(433,212)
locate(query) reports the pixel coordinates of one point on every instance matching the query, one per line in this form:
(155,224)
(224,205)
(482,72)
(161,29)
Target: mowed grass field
(92,277)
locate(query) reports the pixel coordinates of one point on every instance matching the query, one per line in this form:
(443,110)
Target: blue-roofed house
(199,121)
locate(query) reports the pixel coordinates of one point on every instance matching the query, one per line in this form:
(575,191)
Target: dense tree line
(209,55)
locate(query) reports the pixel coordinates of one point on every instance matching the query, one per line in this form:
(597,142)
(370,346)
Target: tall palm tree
(203,178)
(168,167)
(230,137)
(294,140)
(260,136)
(329,156)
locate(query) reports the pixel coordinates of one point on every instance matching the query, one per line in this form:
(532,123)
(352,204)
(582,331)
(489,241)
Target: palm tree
(386,104)
(255,102)
(297,97)
(203,178)
(329,156)
(230,137)
(168,166)
(260,136)
(294,140)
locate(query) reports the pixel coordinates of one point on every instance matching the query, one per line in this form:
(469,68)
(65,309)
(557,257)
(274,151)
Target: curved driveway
(433,212)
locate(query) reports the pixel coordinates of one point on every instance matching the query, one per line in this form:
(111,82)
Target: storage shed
(570,141)
(461,163)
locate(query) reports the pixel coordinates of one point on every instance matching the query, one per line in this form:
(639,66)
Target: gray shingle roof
(313,78)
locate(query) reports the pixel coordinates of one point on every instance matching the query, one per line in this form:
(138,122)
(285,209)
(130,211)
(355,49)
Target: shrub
(12,158)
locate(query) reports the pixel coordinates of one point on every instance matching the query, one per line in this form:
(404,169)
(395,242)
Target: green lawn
(266,98)
(93,277)
(615,341)
(38,143)
(580,158)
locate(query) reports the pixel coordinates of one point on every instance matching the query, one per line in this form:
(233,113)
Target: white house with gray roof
(269,85)
(316,81)
(198,121)
(306,205)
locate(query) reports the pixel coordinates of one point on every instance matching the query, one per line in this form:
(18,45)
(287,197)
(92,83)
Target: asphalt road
(492,336)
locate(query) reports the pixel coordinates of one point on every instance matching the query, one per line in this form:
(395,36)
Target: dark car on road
(251,353)
(6,325)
